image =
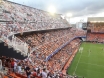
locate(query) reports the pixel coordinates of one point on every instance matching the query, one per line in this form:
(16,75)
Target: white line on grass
(92,64)
(78,60)
(78,63)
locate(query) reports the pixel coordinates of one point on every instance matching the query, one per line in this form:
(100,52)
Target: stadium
(37,44)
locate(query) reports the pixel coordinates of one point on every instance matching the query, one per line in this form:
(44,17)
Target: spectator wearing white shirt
(19,70)
(15,66)
(44,73)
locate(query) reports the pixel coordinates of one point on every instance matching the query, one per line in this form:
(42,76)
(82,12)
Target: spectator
(28,72)
(44,73)
(19,68)
(34,75)
(15,66)
(12,64)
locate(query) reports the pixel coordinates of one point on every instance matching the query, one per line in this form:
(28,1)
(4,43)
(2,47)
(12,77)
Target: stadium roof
(95,19)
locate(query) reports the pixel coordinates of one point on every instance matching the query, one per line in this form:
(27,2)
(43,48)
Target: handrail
(62,46)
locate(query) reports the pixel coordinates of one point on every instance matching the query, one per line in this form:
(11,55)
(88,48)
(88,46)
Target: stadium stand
(58,60)
(15,19)
(24,18)
(46,43)
(54,65)
(96,27)
(95,37)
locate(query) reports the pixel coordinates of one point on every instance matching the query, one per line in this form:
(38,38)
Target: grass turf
(89,63)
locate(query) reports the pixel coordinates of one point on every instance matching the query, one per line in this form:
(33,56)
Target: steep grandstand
(24,18)
(96,24)
(16,18)
(36,44)
(95,29)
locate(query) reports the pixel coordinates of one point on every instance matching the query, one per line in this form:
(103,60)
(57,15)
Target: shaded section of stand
(10,52)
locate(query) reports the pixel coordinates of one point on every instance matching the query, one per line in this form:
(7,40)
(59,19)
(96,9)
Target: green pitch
(88,63)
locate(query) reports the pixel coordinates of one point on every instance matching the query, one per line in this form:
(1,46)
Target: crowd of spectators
(97,27)
(95,37)
(58,61)
(16,18)
(47,42)
(37,39)
(96,34)
(41,69)
(44,41)
(20,18)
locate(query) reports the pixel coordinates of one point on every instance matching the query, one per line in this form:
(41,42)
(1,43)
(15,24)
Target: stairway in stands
(9,51)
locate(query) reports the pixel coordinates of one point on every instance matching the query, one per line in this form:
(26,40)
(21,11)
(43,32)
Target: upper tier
(96,24)
(28,18)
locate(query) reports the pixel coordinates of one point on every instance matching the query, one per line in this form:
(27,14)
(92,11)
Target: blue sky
(80,9)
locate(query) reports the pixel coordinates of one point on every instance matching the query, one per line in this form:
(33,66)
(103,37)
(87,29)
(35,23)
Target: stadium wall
(57,50)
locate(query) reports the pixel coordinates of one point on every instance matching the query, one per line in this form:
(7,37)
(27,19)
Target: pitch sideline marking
(78,62)
(92,64)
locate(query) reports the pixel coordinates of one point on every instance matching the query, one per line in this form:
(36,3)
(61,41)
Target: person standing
(12,65)
(19,68)
(15,66)
(44,73)
(28,72)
